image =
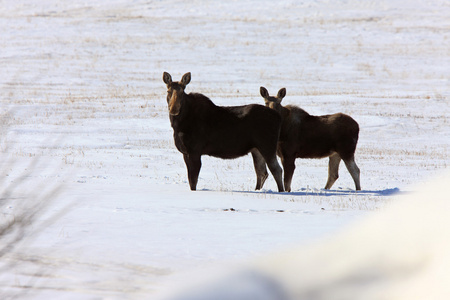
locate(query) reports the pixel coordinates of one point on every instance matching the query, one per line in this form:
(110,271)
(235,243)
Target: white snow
(84,110)
(400,253)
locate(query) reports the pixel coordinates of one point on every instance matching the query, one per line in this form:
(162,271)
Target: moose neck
(284,112)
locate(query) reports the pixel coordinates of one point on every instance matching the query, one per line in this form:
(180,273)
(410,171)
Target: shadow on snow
(327,193)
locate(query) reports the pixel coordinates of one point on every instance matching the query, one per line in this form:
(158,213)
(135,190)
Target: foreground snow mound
(400,253)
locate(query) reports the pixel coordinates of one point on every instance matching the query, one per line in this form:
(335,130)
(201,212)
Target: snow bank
(401,253)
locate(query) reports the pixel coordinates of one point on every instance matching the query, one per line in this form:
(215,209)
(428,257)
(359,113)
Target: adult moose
(306,136)
(202,128)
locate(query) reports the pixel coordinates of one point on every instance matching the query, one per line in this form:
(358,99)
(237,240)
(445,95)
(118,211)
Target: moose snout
(174,105)
(271,104)
(174,109)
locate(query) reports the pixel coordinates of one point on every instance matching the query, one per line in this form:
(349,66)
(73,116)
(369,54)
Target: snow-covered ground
(84,116)
(402,252)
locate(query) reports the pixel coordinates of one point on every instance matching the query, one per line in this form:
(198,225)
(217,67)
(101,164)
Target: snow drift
(400,253)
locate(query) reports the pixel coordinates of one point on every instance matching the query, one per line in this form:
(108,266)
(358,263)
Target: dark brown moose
(202,128)
(306,136)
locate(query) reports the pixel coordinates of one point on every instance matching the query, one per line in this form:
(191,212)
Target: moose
(305,136)
(202,128)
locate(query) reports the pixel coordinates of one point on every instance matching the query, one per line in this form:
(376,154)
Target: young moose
(305,136)
(200,127)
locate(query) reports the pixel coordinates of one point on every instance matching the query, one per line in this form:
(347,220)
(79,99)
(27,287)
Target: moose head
(273,102)
(175,92)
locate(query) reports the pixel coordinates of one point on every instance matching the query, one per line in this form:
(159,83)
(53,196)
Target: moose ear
(167,78)
(264,93)
(186,79)
(281,93)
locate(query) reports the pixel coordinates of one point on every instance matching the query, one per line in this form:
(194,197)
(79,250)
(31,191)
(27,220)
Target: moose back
(307,136)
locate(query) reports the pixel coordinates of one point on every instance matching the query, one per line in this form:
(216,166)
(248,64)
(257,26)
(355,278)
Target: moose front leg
(193,164)
(289,167)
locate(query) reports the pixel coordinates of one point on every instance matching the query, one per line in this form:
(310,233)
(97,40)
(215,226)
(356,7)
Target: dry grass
(24,212)
(19,224)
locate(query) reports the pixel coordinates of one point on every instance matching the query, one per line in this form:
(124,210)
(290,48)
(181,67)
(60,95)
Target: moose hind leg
(193,164)
(333,170)
(260,168)
(276,171)
(354,171)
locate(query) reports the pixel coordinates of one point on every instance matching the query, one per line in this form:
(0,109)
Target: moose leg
(354,171)
(276,171)
(260,168)
(289,167)
(333,170)
(193,164)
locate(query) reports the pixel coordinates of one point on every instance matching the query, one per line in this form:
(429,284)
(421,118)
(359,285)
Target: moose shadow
(328,193)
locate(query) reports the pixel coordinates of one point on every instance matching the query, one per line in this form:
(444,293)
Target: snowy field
(86,139)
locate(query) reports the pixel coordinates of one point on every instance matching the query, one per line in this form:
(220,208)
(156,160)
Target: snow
(399,253)
(85,131)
